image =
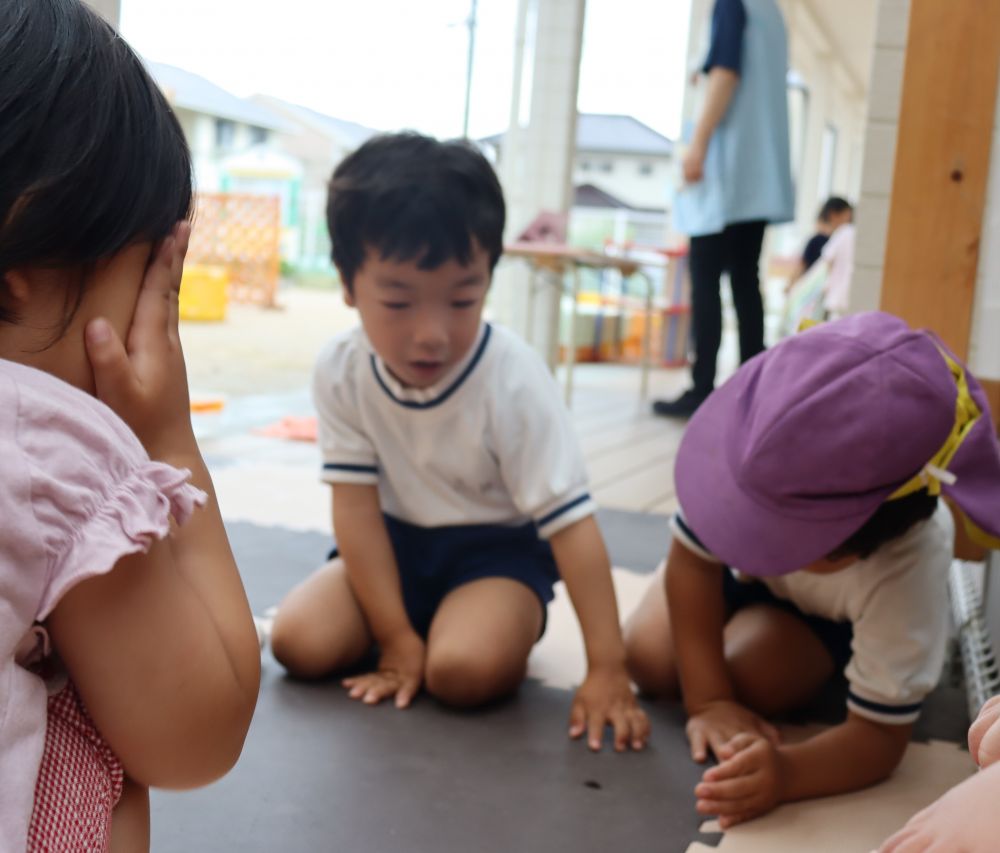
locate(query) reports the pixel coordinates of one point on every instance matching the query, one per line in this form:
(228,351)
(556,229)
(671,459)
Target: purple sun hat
(791,456)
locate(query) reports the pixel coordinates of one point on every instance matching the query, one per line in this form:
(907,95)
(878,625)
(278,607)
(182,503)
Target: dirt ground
(263,350)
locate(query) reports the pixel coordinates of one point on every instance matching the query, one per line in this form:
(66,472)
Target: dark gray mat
(320,772)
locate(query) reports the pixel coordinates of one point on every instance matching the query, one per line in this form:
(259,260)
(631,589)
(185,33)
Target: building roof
(587,195)
(349,132)
(613,134)
(187,91)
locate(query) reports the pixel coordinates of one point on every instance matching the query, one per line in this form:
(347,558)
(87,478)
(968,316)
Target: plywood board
(942,164)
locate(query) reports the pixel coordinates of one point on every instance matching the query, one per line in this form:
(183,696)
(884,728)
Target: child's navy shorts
(433,561)
(835,636)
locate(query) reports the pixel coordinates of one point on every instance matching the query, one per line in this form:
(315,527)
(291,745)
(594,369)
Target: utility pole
(471,24)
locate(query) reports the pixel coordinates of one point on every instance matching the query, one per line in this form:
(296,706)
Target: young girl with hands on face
(128,655)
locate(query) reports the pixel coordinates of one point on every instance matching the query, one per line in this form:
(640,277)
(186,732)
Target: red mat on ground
(292,428)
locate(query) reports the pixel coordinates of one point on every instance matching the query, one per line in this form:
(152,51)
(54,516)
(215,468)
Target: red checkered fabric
(79,782)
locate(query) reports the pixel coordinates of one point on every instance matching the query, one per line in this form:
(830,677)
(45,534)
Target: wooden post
(942,165)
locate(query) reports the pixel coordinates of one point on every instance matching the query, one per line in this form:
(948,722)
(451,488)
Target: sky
(393,64)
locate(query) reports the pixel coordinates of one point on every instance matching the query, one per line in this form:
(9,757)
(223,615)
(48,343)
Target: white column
(984,344)
(536,160)
(110,9)
(885,95)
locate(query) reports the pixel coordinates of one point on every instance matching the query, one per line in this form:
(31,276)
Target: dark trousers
(736,251)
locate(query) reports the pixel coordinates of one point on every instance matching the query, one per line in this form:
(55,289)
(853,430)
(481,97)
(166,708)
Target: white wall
(625,181)
(835,100)
(886,87)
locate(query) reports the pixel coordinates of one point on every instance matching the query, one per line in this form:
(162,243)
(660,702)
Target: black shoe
(683,407)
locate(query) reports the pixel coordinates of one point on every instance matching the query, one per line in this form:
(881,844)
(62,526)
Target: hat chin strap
(935,472)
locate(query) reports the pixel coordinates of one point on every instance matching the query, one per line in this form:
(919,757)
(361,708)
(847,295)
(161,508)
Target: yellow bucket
(203,293)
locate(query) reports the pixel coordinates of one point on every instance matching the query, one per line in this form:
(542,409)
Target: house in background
(319,142)
(217,124)
(622,173)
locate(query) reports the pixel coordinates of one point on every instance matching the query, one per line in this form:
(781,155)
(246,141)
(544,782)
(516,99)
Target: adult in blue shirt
(737,180)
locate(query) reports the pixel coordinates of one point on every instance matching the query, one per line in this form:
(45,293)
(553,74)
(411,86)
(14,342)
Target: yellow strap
(967,413)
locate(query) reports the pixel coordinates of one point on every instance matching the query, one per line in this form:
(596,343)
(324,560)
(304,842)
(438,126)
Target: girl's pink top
(77,493)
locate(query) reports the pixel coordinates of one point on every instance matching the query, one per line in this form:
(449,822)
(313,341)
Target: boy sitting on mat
(810,538)
(459,490)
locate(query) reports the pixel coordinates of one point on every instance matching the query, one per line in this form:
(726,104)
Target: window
(225,133)
(585,166)
(645,168)
(827,161)
(607,166)
(258,135)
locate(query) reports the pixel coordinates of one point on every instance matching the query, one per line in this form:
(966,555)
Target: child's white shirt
(490,443)
(897,602)
(838,253)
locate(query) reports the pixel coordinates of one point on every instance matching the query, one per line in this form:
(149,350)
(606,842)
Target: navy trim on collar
(451,389)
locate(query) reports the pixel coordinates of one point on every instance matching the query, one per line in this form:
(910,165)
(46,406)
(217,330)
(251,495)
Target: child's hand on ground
(606,698)
(748,783)
(400,673)
(144,380)
(965,819)
(717,723)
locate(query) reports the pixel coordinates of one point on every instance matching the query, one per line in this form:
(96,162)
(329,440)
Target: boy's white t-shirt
(897,602)
(490,443)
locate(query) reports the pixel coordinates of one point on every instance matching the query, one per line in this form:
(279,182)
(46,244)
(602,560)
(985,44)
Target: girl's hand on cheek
(145,381)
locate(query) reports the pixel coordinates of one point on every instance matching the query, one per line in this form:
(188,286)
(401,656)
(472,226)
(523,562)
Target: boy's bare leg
(480,639)
(319,627)
(776,662)
(649,647)
(130,820)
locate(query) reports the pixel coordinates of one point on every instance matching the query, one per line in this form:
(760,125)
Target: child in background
(139,629)
(838,255)
(809,539)
(835,212)
(459,491)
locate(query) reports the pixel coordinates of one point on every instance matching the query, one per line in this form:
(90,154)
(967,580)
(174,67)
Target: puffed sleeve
(95,495)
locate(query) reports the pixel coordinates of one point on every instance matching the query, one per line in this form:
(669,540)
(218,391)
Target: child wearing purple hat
(810,538)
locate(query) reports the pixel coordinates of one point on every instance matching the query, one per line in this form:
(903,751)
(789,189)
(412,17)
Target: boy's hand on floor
(400,673)
(716,724)
(965,818)
(748,783)
(606,698)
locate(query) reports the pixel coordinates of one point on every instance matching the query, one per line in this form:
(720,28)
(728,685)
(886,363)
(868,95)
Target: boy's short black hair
(832,206)
(890,521)
(92,158)
(410,197)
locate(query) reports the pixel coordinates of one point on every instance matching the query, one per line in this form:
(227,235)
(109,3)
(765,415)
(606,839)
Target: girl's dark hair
(409,196)
(832,206)
(890,521)
(92,157)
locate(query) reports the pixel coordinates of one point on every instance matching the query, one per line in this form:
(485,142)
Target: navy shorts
(433,561)
(835,636)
